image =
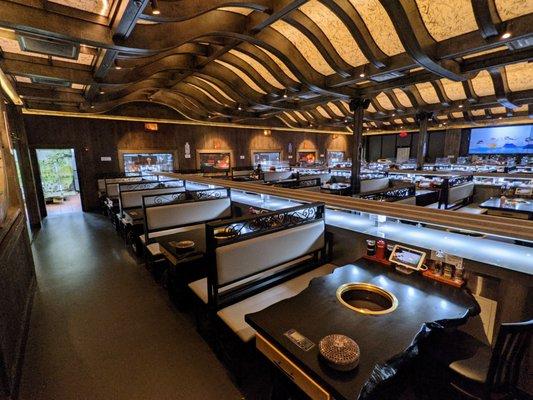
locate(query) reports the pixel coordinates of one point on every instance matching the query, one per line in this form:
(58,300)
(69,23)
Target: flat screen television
(502,140)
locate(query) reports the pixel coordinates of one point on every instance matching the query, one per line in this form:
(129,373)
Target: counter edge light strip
(500,226)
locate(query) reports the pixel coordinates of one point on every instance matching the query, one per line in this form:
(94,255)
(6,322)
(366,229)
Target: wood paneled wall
(452,142)
(17,274)
(93,139)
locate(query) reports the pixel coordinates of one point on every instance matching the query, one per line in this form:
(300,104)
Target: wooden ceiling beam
(487,17)
(501,88)
(415,38)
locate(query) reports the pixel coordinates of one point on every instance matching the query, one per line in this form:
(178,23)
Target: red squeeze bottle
(380,249)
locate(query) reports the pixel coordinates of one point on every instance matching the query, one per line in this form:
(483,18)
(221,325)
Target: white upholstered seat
(233,316)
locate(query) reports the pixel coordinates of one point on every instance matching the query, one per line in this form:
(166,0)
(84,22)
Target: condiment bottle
(380,249)
(438,263)
(370,247)
(459,273)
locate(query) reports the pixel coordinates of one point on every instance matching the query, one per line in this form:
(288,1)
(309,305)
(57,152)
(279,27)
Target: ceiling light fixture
(506,35)
(155,9)
(102,92)
(362,75)
(460,106)
(118,67)
(239,108)
(285,95)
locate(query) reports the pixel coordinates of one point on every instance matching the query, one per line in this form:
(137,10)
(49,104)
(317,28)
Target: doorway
(59,181)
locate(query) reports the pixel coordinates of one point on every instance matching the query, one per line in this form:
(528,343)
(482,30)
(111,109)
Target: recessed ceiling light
(102,92)
(500,117)
(118,67)
(362,75)
(92,106)
(239,108)
(285,95)
(393,114)
(155,9)
(506,35)
(460,106)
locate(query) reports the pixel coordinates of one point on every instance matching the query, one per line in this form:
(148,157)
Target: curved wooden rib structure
(293,63)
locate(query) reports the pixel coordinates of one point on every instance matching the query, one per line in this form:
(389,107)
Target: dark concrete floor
(101,328)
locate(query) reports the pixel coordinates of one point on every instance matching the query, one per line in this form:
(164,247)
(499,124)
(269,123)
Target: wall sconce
(267,132)
(151,127)
(335,137)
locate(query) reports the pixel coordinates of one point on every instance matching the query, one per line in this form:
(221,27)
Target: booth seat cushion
(187,213)
(172,231)
(233,316)
(199,287)
(252,256)
(369,185)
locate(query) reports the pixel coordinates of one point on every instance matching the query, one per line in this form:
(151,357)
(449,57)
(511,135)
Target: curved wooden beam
(415,38)
(501,88)
(178,11)
(487,17)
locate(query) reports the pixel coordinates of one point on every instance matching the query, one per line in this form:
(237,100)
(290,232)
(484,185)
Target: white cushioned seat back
(134,198)
(187,213)
(112,189)
(276,176)
(249,257)
(369,185)
(242,173)
(323,177)
(461,192)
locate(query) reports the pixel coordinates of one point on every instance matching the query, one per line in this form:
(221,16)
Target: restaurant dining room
(266,199)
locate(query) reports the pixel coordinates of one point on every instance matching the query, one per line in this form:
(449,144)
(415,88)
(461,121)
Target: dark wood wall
(17,274)
(93,139)
(451,142)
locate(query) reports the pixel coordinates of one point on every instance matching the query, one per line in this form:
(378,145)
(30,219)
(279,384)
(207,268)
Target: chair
(491,373)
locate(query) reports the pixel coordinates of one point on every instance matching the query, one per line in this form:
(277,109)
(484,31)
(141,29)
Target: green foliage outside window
(57,175)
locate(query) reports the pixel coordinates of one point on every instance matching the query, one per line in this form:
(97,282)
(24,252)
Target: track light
(155,9)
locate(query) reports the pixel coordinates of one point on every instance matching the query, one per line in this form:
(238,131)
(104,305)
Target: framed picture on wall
(147,161)
(307,157)
(335,157)
(266,158)
(214,160)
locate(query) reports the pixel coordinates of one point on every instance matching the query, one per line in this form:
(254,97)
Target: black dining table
(387,342)
(134,216)
(176,256)
(511,207)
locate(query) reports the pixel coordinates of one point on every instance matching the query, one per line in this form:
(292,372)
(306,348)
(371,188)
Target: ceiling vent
(50,47)
(520,44)
(386,77)
(44,80)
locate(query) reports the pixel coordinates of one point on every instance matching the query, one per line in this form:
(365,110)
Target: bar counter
(504,254)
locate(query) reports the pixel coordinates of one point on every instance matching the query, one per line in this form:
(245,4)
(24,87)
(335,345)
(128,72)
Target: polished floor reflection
(101,327)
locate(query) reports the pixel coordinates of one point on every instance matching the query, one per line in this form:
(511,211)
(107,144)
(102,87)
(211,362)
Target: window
(146,163)
(335,157)
(266,158)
